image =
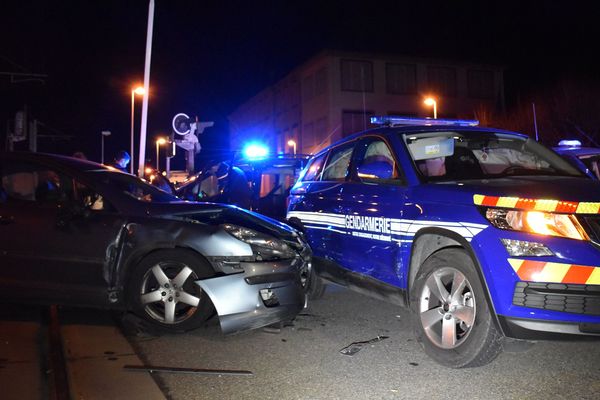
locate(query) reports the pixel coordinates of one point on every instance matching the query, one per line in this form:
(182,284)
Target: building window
(308,88)
(356,121)
(442,80)
(400,78)
(357,76)
(321,81)
(480,84)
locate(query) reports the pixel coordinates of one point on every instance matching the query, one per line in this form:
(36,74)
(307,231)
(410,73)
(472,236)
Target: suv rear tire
(453,321)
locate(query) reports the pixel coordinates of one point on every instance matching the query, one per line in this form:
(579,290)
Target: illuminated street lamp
(293,144)
(139,91)
(104,134)
(430,101)
(159,142)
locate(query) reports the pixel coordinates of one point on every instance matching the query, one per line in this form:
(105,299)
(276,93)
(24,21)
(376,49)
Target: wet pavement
(298,361)
(303,361)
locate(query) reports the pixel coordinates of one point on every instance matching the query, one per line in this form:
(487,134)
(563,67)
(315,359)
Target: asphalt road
(303,361)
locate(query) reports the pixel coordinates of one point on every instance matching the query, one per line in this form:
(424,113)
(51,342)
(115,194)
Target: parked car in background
(485,234)
(587,159)
(77,232)
(261,185)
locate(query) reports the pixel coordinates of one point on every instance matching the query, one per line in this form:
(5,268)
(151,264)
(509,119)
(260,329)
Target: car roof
(56,159)
(390,130)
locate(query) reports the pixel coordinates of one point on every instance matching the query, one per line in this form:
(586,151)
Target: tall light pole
(104,134)
(159,142)
(430,101)
(142,156)
(139,91)
(292,143)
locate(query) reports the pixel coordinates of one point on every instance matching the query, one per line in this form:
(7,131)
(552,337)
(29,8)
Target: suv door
(374,200)
(320,208)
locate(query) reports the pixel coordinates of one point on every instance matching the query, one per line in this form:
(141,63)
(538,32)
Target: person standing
(121,161)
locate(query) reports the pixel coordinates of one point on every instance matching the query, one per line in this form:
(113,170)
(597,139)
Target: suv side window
(338,162)
(375,162)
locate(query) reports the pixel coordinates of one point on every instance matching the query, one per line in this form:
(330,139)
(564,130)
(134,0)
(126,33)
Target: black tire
(314,287)
(470,337)
(163,303)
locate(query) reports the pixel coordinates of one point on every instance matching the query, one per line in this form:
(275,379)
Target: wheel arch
(129,263)
(427,242)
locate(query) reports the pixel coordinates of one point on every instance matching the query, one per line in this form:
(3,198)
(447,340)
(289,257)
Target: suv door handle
(6,220)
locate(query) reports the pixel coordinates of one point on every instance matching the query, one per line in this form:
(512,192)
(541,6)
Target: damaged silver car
(77,232)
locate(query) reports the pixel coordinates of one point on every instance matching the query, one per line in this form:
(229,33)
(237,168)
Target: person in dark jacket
(121,161)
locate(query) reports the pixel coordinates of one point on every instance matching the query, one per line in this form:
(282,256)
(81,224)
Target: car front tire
(453,320)
(162,291)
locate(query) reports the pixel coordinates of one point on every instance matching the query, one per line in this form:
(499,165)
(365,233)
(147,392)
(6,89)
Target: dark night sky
(208,57)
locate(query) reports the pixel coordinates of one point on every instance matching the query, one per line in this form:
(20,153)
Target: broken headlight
(264,247)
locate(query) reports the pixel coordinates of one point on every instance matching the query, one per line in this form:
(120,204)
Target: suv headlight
(265,247)
(542,223)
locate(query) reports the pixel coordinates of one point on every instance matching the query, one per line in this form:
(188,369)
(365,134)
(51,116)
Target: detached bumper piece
(266,293)
(571,298)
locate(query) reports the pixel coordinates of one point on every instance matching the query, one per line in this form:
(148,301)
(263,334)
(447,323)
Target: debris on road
(199,371)
(355,347)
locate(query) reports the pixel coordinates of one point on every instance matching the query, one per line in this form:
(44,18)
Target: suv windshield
(592,163)
(456,155)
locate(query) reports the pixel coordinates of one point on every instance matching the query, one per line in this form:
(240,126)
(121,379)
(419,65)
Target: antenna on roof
(535,123)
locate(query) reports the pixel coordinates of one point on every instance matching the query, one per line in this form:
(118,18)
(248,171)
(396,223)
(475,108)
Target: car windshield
(462,155)
(134,187)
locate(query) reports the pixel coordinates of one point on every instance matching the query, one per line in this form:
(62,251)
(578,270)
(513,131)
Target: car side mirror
(376,170)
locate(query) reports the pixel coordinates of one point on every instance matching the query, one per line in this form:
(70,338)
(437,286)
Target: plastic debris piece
(355,347)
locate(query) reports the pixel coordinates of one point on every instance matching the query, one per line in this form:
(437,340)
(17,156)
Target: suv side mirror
(376,170)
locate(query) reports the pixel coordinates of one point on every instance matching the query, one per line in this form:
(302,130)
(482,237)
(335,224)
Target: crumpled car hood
(217,214)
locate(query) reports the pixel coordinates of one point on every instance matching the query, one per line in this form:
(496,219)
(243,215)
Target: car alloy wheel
(168,292)
(162,290)
(453,320)
(447,308)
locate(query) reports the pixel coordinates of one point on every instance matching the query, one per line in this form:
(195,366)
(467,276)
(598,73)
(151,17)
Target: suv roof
(388,130)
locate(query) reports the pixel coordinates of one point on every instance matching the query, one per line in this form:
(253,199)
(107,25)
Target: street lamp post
(292,143)
(139,91)
(159,142)
(104,134)
(430,101)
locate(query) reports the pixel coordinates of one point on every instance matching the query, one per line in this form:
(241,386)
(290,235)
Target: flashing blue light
(399,121)
(570,143)
(254,150)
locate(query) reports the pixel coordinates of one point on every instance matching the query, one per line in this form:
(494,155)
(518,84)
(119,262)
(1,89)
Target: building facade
(334,94)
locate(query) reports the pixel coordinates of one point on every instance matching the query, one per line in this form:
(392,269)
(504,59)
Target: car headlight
(542,223)
(265,247)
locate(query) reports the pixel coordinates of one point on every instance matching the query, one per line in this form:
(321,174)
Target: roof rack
(390,120)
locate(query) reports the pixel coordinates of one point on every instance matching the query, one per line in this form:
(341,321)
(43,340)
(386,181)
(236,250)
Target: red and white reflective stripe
(547,205)
(551,272)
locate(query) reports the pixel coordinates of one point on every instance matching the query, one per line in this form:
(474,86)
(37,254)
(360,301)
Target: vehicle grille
(577,299)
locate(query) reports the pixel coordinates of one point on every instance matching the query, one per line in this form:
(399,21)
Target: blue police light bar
(255,150)
(570,143)
(390,120)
